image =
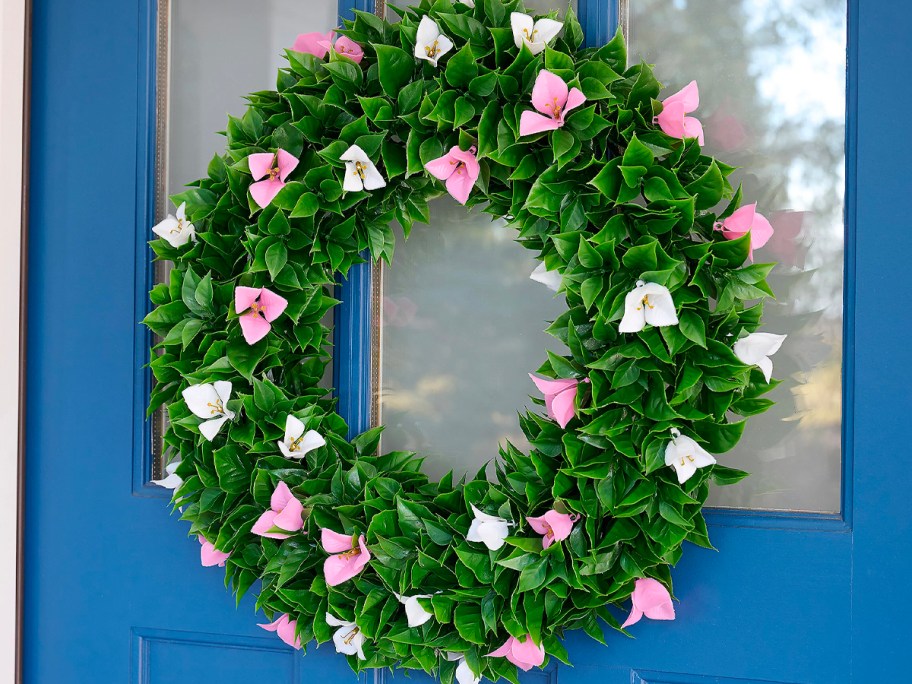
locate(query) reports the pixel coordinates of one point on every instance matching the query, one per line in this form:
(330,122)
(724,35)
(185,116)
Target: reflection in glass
(772,100)
(462,328)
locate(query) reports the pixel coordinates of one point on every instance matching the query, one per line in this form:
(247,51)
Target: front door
(808,585)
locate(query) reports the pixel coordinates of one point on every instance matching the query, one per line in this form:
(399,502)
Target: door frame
(14,76)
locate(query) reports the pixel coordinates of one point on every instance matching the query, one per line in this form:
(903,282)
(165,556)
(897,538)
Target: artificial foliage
(606,199)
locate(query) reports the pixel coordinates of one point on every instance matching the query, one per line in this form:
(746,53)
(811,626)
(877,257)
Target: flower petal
(688,97)
(352,181)
(264,191)
(209,555)
(694,129)
(275,304)
(254,327)
(549,91)
(415,614)
(291,519)
(201,399)
(294,428)
(526,654)
(244,297)
(464,674)
(493,534)
(264,523)
(280,498)
(260,163)
(373,179)
(574,99)
(563,406)
(503,650)
(287,163)
(547,29)
(531,123)
(210,428)
(311,43)
(333,542)
(550,279)
(522,25)
(460,185)
(442,167)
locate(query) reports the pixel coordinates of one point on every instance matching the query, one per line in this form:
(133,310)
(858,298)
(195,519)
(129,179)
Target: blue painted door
(113,589)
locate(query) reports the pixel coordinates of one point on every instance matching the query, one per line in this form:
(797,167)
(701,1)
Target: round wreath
(611,189)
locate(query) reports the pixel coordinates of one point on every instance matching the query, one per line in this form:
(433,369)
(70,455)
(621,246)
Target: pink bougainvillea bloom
(284,517)
(209,555)
(560,397)
(553,99)
(285,629)
(344,46)
(348,559)
(650,598)
(316,44)
(264,307)
(459,169)
(525,654)
(744,220)
(553,526)
(673,121)
(277,167)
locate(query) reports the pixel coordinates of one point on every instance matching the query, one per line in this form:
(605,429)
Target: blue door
(809,584)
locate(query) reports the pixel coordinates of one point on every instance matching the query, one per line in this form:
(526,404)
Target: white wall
(12,71)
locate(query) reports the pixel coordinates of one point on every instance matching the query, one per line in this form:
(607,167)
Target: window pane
(772,101)
(462,327)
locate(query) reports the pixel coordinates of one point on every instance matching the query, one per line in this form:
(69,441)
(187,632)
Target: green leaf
(637,154)
(244,357)
(394,68)
(692,327)
(461,68)
(533,575)
(276,258)
(233,476)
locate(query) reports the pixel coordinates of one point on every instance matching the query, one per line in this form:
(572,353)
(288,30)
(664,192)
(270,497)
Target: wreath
(610,187)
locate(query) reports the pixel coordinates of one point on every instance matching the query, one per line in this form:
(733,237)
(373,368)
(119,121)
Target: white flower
(414,613)
(297,443)
(756,348)
(535,34)
(349,639)
(488,529)
(171,480)
(685,456)
(360,172)
(464,674)
(177,230)
(550,279)
(210,401)
(431,44)
(647,303)
(469,3)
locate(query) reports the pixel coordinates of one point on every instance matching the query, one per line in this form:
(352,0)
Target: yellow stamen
(432,50)
(645,301)
(530,37)
(351,635)
(217,408)
(359,170)
(180,226)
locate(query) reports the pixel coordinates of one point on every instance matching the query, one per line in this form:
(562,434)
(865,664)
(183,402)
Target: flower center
(555,109)
(549,532)
(351,635)
(459,166)
(257,309)
(432,50)
(530,36)
(341,49)
(360,168)
(296,444)
(218,409)
(645,302)
(351,553)
(274,173)
(688,457)
(180,227)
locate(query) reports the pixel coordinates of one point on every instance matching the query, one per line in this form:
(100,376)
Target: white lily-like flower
(488,529)
(297,443)
(431,44)
(414,613)
(171,480)
(550,279)
(685,456)
(535,34)
(176,230)
(464,674)
(469,3)
(210,400)
(360,172)
(348,639)
(647,303)
(756,348)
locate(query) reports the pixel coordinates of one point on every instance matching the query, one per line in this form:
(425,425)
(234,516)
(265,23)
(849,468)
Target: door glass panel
(772,100)
(211,53)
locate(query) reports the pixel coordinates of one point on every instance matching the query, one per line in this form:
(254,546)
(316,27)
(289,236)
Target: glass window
(772,100)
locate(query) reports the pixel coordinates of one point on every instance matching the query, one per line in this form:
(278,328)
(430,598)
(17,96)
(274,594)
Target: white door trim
(13,193)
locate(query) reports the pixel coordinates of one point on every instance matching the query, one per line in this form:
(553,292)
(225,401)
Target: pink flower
(524,654)
(286,514)
(551,97)
(316,44)
(285,629)
(560,397)
(553,526)
(265,306)
(459,169)
(209,555)
(350,556)
(672,120)
(277,166)
(344,46)
(650,598)
(744,220)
